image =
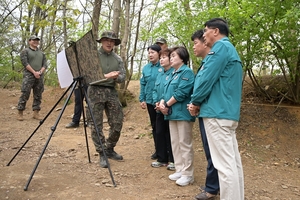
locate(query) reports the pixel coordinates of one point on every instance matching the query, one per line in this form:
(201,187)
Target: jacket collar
(104,52)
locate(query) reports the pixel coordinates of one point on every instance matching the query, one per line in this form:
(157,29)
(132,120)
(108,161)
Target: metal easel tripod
(76,81)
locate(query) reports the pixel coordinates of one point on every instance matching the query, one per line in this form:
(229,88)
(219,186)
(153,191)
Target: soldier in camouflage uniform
(103,96)
(35,64)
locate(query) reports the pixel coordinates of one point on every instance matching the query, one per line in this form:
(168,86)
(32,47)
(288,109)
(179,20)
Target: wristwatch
(166,105)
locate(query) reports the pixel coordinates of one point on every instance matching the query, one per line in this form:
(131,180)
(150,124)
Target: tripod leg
(41,122)
(82,95)
(53,128)
(98,134)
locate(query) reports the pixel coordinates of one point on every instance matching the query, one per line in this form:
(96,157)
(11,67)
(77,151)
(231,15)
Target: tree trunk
(96,15)
(124,50)
(135,43)
(115,28)
(65,24)
(116,16)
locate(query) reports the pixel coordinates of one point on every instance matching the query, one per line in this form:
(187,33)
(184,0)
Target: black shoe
(72,125)
(110,153)
(154,156)
(103,162)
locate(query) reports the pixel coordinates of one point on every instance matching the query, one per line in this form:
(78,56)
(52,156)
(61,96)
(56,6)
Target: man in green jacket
(218,92)
(103,96)
(211,187)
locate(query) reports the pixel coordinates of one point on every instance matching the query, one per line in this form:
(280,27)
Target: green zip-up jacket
(147,81)
(111,62)
(180,86)
(218,83)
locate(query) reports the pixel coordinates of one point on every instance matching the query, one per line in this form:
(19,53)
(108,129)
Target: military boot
(20,115)
(110,153)
(103,162)
(36,115)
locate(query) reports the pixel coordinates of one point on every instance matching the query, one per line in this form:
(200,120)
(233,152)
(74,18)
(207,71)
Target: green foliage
(8,76)
(266,33)
(268,39)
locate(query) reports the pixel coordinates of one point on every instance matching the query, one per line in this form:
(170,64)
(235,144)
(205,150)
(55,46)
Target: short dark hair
(182,53)
(165,52)
(219,23)
(154,47)
(198,35)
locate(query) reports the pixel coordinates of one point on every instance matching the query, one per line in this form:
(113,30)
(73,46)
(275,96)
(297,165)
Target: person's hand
(157,106)
(194,110)
(113,74)
(37,75)
(163,109)
(143,105)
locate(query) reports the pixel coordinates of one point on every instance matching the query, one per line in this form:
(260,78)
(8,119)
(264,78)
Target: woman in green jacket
(177,92)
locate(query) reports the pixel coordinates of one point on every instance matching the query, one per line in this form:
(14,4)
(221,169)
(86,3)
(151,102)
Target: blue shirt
(147,81)
(218,83)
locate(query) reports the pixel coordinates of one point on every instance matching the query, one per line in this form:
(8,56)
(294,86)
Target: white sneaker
(171,166)
(185,180)
(175,176)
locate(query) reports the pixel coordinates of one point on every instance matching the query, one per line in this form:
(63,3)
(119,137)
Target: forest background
(266,34)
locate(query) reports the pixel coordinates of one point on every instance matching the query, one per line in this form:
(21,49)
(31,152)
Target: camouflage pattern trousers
(105,99)
(37,85)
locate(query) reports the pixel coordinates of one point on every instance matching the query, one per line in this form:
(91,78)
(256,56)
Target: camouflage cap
(161,41)
(34,37)
(111,35)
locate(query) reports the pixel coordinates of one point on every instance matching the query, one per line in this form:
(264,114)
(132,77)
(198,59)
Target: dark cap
(154,47)
(34,37)
(111,35)
(161,40)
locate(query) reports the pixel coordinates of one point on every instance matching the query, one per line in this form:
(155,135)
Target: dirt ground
(269,145)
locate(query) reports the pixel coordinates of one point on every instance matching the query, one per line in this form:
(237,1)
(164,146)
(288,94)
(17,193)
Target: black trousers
(152,116)
(77,106)
(212,178)
(163,140)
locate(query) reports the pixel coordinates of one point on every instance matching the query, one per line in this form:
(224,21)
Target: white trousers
(225,156)
(182,146)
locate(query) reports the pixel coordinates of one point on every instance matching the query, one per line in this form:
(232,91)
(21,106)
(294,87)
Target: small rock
(267,87)
(109,185)
(265,198)
(105,181)
(284,186)
(131,128)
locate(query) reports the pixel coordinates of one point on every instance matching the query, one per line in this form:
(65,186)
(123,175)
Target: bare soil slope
(269,144)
